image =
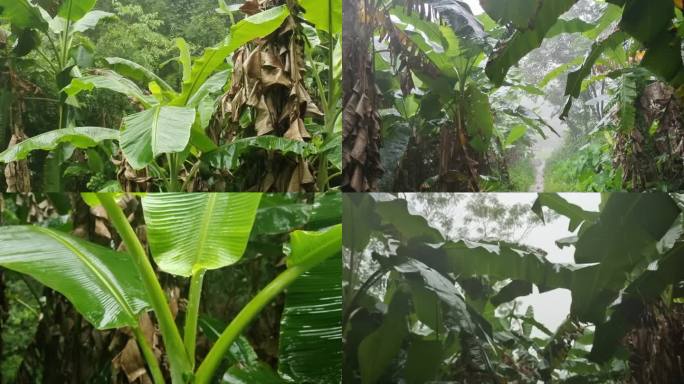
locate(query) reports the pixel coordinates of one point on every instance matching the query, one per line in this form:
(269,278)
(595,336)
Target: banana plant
(444,61)
(173,122)
(188,235)
(327,19)
(627,255)
(57,41)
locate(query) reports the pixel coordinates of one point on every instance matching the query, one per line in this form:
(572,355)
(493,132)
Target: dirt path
(539,177)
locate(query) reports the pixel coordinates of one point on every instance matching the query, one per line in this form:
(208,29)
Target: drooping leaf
(377,350)
(358,220)
(326,15)
(192,232)
(628,229)
(256,26)
(523,41)
(107,79)
(511,291)
(532,119)
(311,326)
(310,248)
(136,72)
(646,20)
(103,285)
(281,213)
(81,137)
(625,315)
(433,281)
(90,20)
(573,87)
(555,202)
(75,9)
(158,130)
(409,226)
(22,14)
(505,261)
(228,156)
(284,213)
(663,57)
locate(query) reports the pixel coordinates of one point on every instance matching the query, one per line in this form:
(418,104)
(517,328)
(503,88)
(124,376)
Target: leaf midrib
(105,281)
(204,230)
(155,127)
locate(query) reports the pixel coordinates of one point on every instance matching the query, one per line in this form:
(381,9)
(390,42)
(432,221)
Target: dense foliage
(423,307)
(448,100)
(101,267)
(170,95)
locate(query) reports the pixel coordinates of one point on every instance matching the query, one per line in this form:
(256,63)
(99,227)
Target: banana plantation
(83,303)
(464,289)
(513,95)
(162,95)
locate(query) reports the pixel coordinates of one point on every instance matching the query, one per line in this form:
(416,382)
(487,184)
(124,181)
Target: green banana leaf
(310,248)
(22,14)
(325,15)
(81,137)
(158,130)
(255,26)
(75,9)
(136,72)
(283,213)
(534,23)
(103,285)
(192,232)
(378,349)
(311,326)
(107,79)
(228,156)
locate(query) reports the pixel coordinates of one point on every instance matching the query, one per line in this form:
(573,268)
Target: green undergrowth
(522,174)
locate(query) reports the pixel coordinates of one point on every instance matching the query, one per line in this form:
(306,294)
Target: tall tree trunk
(361,123)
